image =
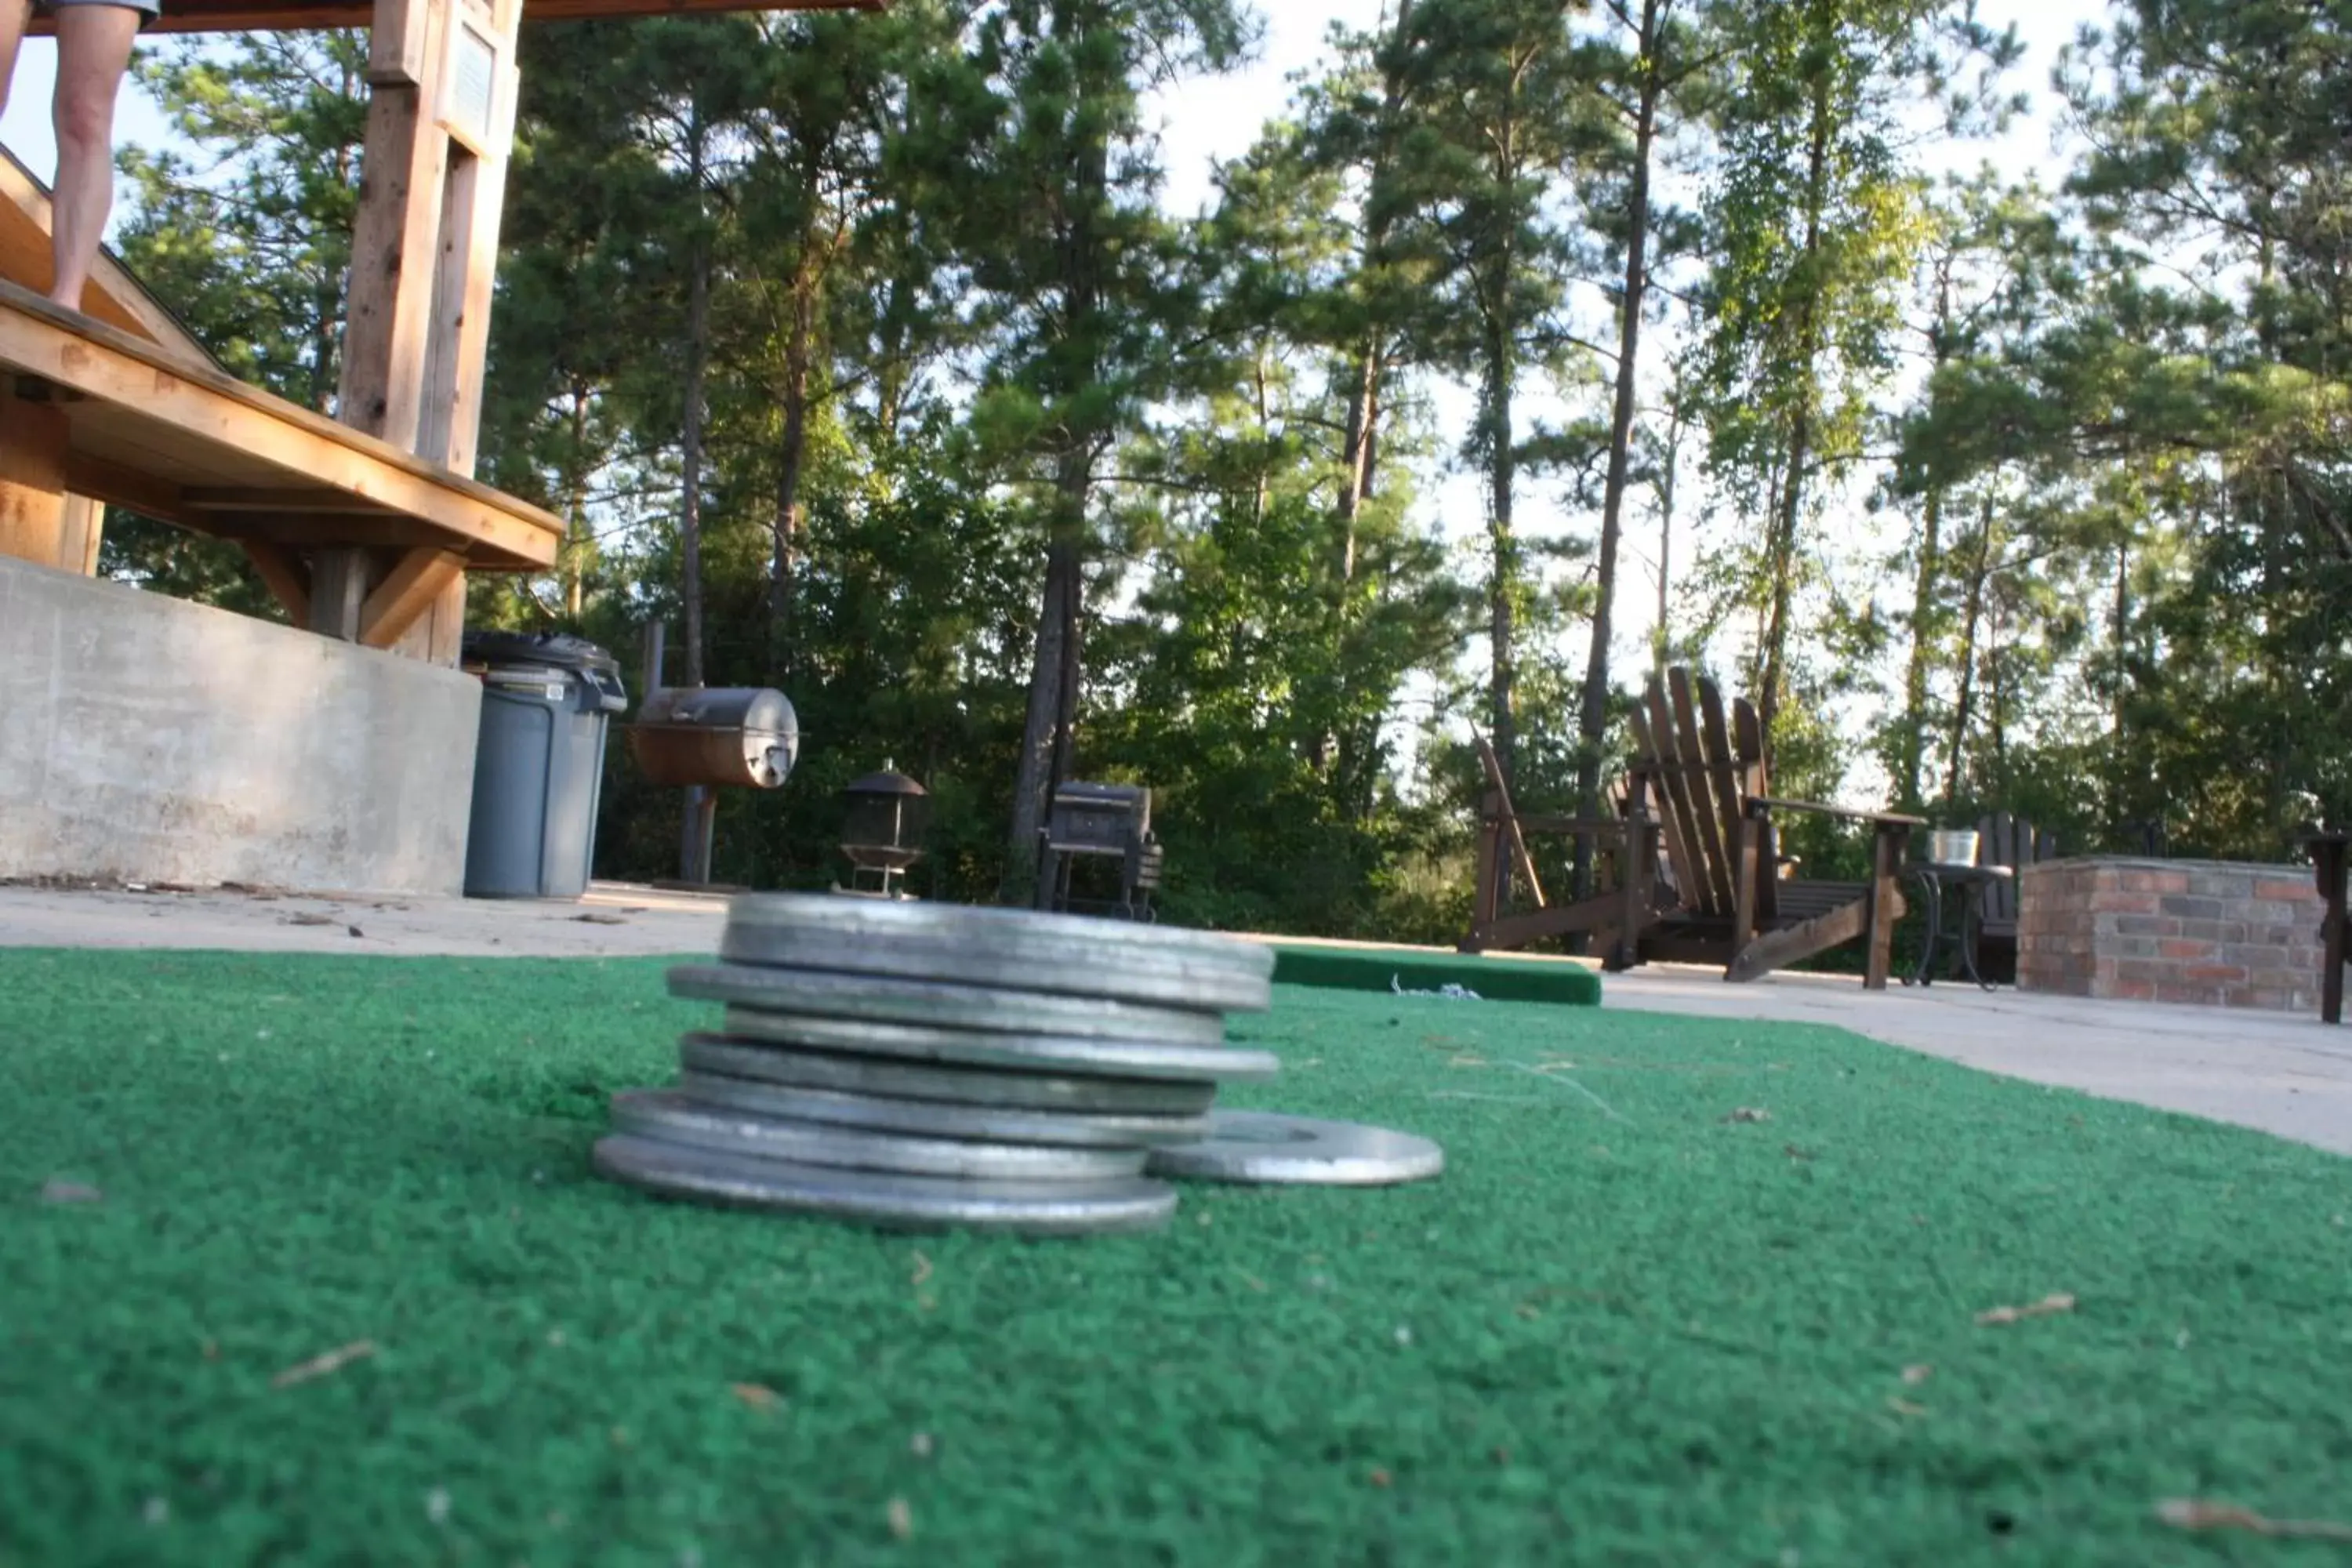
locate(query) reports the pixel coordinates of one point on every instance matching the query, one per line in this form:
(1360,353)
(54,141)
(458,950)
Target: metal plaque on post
(469,92)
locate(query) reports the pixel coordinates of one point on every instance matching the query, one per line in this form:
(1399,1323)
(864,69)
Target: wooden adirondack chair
(1698,789)
(1625,846)
(2013,841)
(1706,780)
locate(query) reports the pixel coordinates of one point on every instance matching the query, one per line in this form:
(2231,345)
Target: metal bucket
(1952,845)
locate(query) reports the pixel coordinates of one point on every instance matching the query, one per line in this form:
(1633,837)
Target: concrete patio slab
(611,921)
(2282,1073)
(2286,1074)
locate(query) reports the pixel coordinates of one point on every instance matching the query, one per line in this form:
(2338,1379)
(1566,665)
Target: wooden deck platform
(113,295)
(148,429)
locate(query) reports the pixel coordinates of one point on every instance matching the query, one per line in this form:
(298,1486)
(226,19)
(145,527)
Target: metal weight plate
(1025,938)
(892,1000)
(1261,1146)
(1059,966)
(929,1118)
(671,1117)
(805,1069)
(890,1202)
(1033,1053)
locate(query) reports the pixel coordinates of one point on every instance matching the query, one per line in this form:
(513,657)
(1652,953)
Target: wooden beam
(396,39)
(1509,818)
(33,439)
(407,591)
(283,575)
(247,500)
(312,15)
(203,408)
(117,485)
(440,633)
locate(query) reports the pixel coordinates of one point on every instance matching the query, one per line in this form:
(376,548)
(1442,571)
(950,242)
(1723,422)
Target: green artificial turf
(1630,1324)
(1394,969)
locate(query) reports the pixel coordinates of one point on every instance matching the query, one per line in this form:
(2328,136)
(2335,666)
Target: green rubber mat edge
(1493,979)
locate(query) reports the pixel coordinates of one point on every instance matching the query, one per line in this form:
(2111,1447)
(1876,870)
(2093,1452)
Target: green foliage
(888,305)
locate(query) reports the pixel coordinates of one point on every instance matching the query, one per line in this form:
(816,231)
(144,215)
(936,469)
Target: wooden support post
(424,249)
(81,530)
(31,476)
(393,237)
(1888,842)
(339,580)
(1747,845)
(1487,893)
(1638,865)
(2327,861)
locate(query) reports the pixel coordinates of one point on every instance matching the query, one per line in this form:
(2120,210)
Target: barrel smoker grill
(704,739)
(1100,821)
(723,737)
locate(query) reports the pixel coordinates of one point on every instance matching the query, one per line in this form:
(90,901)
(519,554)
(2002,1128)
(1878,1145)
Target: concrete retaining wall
(156,740)
(2219,933)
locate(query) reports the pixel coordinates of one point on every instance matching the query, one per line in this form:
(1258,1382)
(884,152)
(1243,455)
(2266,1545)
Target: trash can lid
(540,648)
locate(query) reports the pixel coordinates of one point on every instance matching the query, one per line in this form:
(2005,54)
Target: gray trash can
(540,767)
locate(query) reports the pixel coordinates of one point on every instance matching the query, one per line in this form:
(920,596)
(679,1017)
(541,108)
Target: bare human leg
(94,47)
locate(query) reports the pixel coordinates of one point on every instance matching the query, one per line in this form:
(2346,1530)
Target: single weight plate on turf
(890,999)
(670,1117)
(846,1074)
(1061,966)
(1262,1146)
(929,1118)
(891,1202)
(1028,1052)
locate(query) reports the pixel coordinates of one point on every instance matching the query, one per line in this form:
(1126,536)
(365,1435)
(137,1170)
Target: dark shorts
(148,9)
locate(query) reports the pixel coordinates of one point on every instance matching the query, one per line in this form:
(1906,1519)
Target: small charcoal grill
(882,830)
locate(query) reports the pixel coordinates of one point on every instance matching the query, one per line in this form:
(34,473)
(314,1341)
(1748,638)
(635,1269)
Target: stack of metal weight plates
(927,1065)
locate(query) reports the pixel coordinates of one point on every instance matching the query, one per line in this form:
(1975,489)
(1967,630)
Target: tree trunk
(789,458)
(2122,637)
(576,538)
(1593,718)
(1048,737)
(1360,455)
(1972,613)
(1925,615)
(1337,750)
(1996,702)
(1924,619)
(1355,456)
(690,517)
(1783,549)
(1662,641)
(1502,587)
